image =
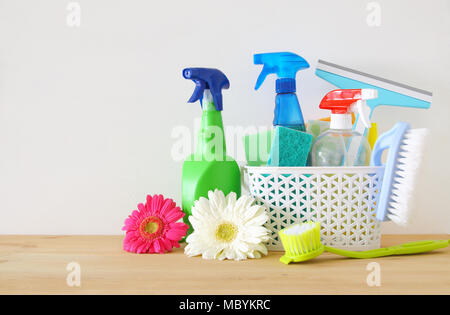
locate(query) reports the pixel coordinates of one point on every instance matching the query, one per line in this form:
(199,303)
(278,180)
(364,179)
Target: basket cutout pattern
(343,200)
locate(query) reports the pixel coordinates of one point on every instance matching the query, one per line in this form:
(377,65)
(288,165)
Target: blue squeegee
(390,93)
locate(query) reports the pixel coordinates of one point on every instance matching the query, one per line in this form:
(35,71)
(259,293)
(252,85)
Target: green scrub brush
(302,242)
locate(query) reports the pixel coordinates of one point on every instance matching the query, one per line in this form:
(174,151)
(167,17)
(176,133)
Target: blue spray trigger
(283,64)
(198,92)
(207,78)
(264,73)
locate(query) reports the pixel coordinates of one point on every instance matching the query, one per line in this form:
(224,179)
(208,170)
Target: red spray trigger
(345,101)
(340,101)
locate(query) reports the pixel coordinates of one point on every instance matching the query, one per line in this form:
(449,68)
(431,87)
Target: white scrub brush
(405,151)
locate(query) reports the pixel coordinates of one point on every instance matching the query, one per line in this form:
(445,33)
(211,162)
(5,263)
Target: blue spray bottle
(285,65)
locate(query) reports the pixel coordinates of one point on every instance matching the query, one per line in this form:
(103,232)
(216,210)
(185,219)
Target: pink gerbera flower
(153,228)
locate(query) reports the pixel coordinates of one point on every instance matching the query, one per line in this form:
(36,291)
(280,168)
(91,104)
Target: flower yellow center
(226,232)
(151,227)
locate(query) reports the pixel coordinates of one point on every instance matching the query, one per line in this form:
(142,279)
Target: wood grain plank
(37,265)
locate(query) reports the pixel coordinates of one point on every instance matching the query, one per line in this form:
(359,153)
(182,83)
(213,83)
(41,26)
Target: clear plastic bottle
(340,145)
(331,149)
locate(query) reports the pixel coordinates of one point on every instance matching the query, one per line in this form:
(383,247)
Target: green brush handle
(404,249)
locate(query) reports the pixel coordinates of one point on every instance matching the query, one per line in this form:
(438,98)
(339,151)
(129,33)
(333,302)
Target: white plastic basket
(343,199)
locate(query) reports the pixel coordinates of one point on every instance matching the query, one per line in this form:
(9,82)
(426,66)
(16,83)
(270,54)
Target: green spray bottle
(209,167)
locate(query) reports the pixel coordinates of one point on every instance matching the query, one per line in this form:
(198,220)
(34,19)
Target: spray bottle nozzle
(345,101)
(284,64)
(207,78)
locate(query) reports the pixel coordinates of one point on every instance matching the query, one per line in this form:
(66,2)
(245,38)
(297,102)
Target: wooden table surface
(38,265)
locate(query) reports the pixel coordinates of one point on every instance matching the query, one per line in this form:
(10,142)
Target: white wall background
(86,113)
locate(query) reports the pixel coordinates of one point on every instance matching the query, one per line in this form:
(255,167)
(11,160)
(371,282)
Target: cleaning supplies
(285,65)
(317,127)
(257,147)
(343,199)
(405,149)
(302,242)
(409,248)
(390,93)
(287,113)
(209,167)
(332,147)
(289,147)
(372,135)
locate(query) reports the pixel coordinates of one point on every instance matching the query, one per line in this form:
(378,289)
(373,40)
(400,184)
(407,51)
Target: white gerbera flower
(226,228)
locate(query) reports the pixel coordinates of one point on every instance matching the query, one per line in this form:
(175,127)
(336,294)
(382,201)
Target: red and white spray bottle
(340,145)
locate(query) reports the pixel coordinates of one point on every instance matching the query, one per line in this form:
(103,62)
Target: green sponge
(289,147)
(257,147)
(317,127)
